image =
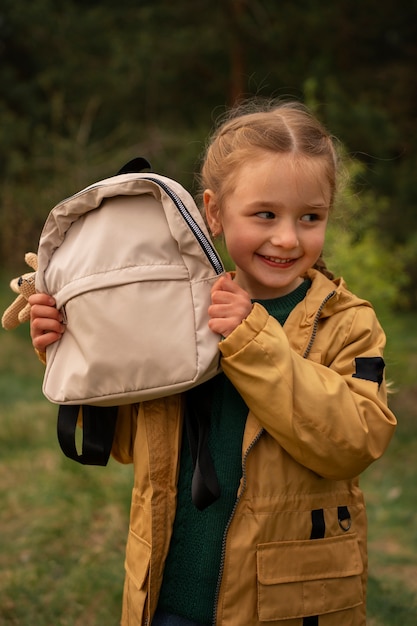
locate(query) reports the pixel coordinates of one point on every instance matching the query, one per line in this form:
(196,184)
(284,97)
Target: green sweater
(194,559)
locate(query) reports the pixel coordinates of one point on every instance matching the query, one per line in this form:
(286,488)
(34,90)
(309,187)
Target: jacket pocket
(301,578)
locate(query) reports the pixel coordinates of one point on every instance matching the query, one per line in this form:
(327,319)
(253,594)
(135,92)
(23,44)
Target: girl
(273,527)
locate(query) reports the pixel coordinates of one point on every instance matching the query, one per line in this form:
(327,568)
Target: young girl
(271,526)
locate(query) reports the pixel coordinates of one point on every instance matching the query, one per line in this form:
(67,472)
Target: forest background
(85,86)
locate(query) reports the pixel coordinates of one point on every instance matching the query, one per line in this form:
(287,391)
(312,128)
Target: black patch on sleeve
(370,368)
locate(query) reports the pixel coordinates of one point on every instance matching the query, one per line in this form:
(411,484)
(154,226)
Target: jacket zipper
(204,242)
(223,552)
(258,436)
(316,323)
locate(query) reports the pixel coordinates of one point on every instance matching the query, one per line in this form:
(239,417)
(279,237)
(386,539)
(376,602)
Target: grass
(390,487)
(64,526)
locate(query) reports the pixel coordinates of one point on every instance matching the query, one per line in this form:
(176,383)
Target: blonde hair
(283,128)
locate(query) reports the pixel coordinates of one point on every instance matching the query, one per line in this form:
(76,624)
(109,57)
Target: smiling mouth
(277,261)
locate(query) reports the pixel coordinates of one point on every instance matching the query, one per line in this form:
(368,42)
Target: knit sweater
(194,558)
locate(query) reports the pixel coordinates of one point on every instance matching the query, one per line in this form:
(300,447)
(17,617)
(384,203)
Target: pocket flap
(292,561)
(297,579)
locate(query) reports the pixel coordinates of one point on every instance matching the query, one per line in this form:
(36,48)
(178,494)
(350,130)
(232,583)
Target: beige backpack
(130,264)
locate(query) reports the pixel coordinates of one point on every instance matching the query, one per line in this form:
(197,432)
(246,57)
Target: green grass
(63,526)
(390,487)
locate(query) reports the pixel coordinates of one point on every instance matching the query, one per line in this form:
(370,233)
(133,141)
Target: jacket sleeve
(326,417)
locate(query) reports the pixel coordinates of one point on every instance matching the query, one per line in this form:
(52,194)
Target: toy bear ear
(135,166)
(31,259)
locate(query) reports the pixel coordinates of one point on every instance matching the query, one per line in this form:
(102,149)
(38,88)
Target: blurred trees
(88,84)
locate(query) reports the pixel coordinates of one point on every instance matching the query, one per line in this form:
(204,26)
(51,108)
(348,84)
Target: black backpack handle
(135,166)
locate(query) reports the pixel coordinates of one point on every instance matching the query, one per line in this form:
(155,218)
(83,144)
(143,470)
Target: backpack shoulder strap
(98,425)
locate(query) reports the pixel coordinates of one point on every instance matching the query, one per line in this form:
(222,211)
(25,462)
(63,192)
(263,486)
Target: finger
(47,324)
(239,300)
(222,297)
(218,310)
(43,341)
(223,327)
(44,311)
(41,298)
(225,282)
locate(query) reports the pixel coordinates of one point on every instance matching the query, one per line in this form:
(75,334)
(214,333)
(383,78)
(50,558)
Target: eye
(310,217)
(265,215)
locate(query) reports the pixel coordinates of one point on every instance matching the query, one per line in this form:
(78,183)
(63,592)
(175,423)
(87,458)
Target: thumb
(224,282)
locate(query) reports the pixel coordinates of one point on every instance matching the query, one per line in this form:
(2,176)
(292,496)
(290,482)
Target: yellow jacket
(296,543)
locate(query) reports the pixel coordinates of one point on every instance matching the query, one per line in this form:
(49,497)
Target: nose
(285,235)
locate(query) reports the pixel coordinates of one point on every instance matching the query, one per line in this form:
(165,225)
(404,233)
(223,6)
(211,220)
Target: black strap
(318,530)
(318,525)
(344,518)
(135,166)
(98,425)
(205,487)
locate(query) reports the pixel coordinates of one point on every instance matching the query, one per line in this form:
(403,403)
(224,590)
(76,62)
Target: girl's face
(273,221)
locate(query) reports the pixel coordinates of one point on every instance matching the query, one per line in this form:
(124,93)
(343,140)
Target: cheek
(315,242)
(239,242)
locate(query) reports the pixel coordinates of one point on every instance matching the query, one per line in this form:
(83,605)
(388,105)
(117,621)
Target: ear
(212,211)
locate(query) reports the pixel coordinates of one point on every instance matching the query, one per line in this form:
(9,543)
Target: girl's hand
(230,304)
(45,321)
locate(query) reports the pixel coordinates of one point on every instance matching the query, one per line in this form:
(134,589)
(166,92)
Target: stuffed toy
(19,311)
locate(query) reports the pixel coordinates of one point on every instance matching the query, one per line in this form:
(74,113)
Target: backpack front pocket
(146,348)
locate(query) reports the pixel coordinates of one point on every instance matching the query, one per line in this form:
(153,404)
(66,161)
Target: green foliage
(369,270)
(355,251)
(85,86)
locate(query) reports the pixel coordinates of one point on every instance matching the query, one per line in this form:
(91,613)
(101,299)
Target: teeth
(278,261)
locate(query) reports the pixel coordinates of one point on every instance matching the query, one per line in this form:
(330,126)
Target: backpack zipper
(204,242)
